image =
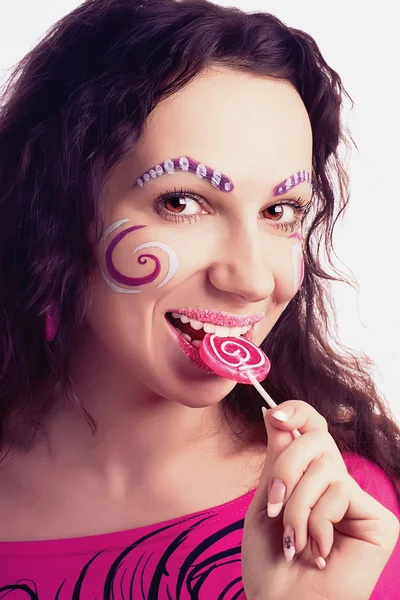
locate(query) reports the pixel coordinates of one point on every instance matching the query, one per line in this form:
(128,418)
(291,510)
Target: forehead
(245,126)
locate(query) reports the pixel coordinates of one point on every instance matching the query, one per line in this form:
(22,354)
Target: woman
(164,168)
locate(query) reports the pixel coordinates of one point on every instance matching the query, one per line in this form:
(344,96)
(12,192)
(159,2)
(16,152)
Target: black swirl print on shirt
(196,558)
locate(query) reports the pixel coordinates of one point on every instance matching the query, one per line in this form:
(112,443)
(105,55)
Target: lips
(221,319)
(191,325)
(192,329)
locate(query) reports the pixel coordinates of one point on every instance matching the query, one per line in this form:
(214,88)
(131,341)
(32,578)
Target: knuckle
(324,422)
(302,405)
(318,464)
(320,440)
(307,408)
(340,487)
(392,525)
(318,525)
(283,472)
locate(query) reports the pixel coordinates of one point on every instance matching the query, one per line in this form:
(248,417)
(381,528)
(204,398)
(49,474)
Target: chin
(201,392)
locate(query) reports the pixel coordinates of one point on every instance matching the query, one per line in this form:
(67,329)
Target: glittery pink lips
(215,317)
(189,350)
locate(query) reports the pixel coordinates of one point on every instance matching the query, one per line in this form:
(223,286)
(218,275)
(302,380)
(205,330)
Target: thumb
(277,441)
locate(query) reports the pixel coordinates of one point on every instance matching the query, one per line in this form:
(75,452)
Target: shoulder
(373,480)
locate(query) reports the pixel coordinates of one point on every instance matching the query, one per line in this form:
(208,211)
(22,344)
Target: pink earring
(52,321)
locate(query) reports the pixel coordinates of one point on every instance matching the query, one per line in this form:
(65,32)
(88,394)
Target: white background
(362,45)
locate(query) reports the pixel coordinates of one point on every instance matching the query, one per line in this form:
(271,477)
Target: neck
(139,436)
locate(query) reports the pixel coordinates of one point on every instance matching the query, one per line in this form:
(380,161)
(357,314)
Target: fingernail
(289,543)
(284,414)
(276,498)
(264,411)
(320,561)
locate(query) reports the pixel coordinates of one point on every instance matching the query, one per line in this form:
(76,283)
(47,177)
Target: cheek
(298,267)
(290,272)
(128,268)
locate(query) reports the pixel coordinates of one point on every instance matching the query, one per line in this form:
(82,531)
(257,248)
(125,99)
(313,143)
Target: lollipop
(240,360)
(234,358)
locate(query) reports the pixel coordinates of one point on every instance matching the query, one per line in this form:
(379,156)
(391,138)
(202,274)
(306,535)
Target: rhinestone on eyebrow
(183,163)
(291,182)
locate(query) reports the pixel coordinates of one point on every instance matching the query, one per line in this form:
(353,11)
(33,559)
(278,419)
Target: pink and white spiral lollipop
(234,358)
(240,360)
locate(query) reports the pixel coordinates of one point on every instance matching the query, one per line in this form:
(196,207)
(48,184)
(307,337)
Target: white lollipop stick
(268,398)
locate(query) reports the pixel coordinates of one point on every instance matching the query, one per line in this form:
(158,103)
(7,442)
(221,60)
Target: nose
(242,267)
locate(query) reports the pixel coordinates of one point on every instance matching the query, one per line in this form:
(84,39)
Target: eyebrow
(184,163)
(291,182)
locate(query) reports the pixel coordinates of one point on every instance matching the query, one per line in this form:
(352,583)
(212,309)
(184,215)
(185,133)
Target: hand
(352,531)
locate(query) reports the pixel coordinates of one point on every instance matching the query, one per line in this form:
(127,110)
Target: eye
(284,213)
(180,205)
(286,216)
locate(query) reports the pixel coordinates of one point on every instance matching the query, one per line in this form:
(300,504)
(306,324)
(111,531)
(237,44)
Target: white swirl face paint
(113,277)
(298,270)
(172,259)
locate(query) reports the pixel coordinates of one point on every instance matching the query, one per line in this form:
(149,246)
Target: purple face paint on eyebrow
(291,182)
(216,178)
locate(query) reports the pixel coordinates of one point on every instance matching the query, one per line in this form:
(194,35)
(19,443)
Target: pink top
(191,557)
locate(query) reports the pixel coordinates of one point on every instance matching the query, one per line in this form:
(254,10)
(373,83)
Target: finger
(280,441)
(277,442)
(368,520)
(310,488)
(304,418)
(291,465)
(330,508)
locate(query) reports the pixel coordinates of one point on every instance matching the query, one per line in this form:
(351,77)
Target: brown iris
(276,210)
(175,204)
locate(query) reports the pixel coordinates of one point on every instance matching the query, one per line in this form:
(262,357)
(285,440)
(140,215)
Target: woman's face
(225,244)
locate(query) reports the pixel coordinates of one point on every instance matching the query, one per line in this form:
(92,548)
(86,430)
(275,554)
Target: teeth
(197,325)
(196,343)
(222,331)
(186,336)
(210,328)
(235,331)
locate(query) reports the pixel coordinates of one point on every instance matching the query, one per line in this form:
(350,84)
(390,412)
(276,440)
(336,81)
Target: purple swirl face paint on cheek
(184,163)
(291,182)
(120,278)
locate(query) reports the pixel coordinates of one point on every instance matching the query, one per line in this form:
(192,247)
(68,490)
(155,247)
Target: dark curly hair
(74,107)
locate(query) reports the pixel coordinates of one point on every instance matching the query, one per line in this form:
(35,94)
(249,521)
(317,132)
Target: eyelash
(298,204)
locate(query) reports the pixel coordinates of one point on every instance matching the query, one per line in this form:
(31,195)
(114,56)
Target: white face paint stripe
(296,252)
(113,227)
(172,258)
